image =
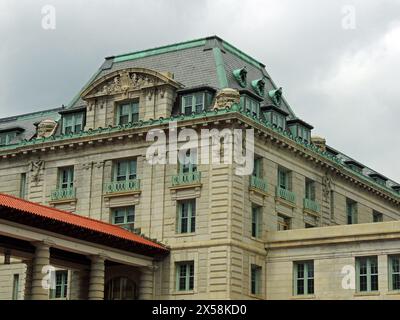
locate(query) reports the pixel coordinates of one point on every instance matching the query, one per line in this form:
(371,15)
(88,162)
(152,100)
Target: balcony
(258,184)
(184,179)
(285,194)
(311,205)
(122,186)
(63,194)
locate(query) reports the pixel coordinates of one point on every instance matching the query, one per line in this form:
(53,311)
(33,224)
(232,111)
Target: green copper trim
(242,55)
(160,50)
(219,62)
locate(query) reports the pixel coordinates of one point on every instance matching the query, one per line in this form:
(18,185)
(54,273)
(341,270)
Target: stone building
(309,222)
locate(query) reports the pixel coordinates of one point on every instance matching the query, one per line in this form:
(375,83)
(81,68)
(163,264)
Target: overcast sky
(338,73)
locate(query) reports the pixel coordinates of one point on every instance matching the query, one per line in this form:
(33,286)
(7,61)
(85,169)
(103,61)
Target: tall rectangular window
(125,170)
(66,177)
(303,278)
(186,216)
(257,168)
(256,221)
(23,188)
(256,279)
(189,164)
(128,113)
(332,204)
(394,272)
(250,105)
(61,285)
(367,274)
(185,276)
(124,216)
(15,287)
(72,122)
(351,211)
(7,137)
(377,216)
(310,189)
(284,179)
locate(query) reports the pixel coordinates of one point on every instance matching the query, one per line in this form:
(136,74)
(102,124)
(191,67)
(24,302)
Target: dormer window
(300,129)
(396,188)
(72,122)
(250,105)
(128,113)
(275,116)
(195,102)
(241,76)
(355,166)
(276,96)
(378,178)
(258,86)
(7,136)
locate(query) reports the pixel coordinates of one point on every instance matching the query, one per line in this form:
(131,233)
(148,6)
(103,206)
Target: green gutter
(219,62)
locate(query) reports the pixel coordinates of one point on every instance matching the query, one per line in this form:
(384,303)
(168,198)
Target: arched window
(121,288)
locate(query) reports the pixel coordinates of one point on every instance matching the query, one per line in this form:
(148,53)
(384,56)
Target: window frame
(250,104)
(256,221)
(287,185)
(310,192)
(377,216)
(190,216)
(189,276)
(283,220)
(69,183)
(195,106)
(351,211)
(73,118)
(306,277)
(133,112)
(368,274)
(130,164)
(7,137)
(255,279)
(392,273)
(64,285)
(127,212)
(191,166)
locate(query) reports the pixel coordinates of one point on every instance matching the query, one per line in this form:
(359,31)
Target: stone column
(146,285)
(41,259)
(96,279)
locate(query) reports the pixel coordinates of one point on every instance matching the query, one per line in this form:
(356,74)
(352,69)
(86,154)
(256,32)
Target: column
(41,259)
(96,278)
(146,285)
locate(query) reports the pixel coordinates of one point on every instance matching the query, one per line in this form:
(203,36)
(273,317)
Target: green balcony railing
(258,183)
(63,194)
(122,186)
(285,194)
(311,205)
(186,178)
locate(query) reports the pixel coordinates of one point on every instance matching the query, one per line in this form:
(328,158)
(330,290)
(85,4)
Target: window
(257,169)
(193,103)
(250,105)
(304,133)
(284,179)
(278,120)
(15,287)
(23,189)
(303,278)
(61,285)
(255,279)
(7,137)
(128,113)
(185,276)
(367,274)
(124,216)
(66,177)
(125,170)
(394,272)
(186,216)
(351,210)
(310,189)
(377,216)
(332,204)
(256,221)
(121,288)
(72,122)
(189,165)
(283,223)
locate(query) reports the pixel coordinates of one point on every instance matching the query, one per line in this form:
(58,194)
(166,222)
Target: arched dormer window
(241,76)
(258,86)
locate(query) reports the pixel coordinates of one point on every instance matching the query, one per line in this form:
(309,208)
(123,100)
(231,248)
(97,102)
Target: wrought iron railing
(122,186)
(186,178)
(311,205)
(258,183)
(63,194)
(285,194)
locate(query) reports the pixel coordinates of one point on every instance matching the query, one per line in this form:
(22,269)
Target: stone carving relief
(36,167)
(46,128)
(226,98)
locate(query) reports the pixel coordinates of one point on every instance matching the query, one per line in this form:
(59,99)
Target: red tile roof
(75,220)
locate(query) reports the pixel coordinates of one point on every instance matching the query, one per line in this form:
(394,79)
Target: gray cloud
(344,82)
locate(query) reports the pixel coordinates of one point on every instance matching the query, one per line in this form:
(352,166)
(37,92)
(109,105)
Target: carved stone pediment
(127,80)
